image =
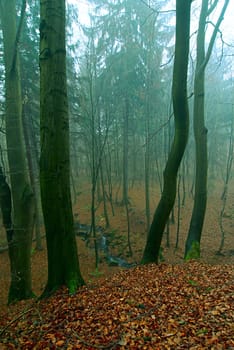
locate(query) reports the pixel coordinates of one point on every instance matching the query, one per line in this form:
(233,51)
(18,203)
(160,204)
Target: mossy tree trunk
(63,263)
(181,117)
(22,196)
(192,246)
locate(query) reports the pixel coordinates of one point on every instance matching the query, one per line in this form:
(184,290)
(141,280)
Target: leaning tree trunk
(22,196)
(181,115)
(192,246)
(63,263)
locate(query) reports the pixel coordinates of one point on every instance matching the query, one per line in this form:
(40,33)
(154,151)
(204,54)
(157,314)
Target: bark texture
(63,264)
(22,195)
(192,246)
(181,117)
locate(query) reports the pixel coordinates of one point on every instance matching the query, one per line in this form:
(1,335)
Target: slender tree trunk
(117,163)
(63,263)
(225,187)
(147,194)
(22,196)
(183,183)
(107,221)
(125,153)
(192,246)
(147,166)
(108,166)
(200,133)
(178,213)
(181,115)
(33,172)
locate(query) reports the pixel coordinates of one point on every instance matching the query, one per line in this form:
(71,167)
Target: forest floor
(174,305)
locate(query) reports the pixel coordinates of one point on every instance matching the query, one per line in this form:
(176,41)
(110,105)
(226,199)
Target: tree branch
(212,7)
(213,37)
(22,13)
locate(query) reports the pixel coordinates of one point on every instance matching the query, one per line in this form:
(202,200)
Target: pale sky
(226,26)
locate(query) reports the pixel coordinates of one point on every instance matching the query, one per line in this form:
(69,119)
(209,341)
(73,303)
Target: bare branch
(145,3)
(213,37)
(221,35)
(212,7)
(168,61)
(156,11)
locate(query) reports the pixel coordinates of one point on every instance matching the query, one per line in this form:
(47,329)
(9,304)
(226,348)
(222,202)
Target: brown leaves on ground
(186,306)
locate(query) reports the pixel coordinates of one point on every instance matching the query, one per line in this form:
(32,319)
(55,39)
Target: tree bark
(181,117)
(6,206)
(192,246)
(63,263)
(22,195)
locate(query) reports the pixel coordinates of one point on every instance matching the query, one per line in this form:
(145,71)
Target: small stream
(103,243)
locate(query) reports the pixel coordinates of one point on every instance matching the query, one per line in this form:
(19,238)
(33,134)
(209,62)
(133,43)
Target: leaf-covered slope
(188,306)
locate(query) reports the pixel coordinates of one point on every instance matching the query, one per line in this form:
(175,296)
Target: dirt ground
(209,245)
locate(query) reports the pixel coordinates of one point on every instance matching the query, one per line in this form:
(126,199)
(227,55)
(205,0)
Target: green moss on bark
(193,252)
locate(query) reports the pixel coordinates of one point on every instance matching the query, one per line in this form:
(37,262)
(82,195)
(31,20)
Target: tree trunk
(192,246)
(32,158)
(6,206)
(125,152)
(147,162)
(181,115)
(200,133)
(63,263)
(22,196)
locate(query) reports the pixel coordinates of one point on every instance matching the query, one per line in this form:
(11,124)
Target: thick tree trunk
(181,115)
(63,263)
(22,196)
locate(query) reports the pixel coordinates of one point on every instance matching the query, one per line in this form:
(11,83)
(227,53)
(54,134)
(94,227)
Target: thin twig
(15,319)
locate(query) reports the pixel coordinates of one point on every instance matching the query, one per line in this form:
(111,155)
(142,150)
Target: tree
(192,246)
(181,118)
(226,183)
(63,263)
(131,87)
(22,196)
(29,48)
